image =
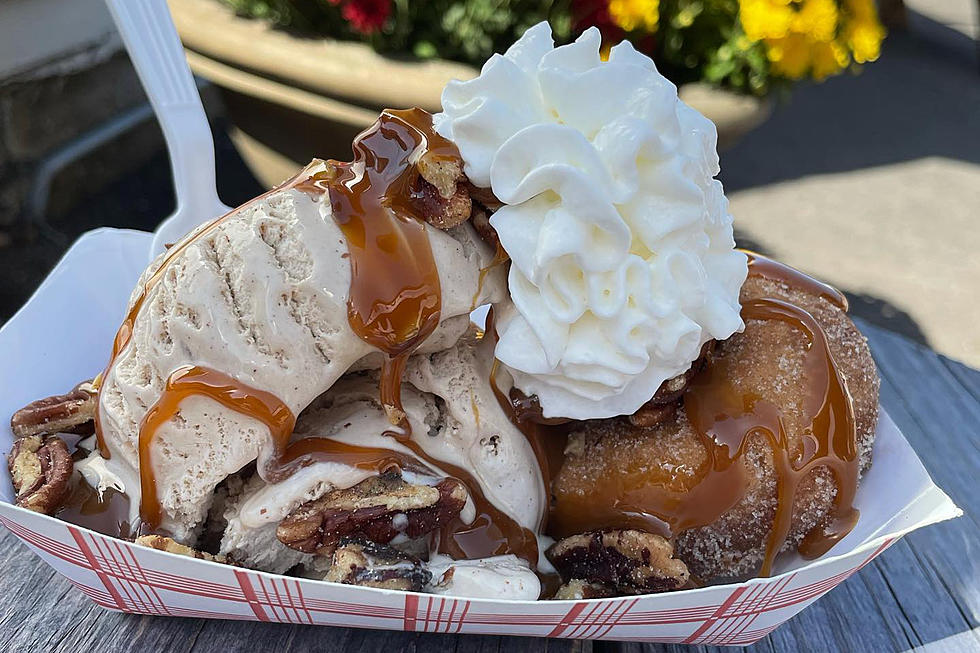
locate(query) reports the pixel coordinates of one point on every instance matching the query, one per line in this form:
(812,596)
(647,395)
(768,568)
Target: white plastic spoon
(156,52)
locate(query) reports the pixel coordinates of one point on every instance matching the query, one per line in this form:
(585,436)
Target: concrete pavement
(872,182)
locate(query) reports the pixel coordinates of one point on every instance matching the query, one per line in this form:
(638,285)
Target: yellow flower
(635,14)
(790,55)
(815,37)
(765,19)
(864,33)
(829,58)
(862,9)
(865,41)
(817,19)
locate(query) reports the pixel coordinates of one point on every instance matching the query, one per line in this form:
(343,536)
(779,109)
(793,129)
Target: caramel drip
(234,395)
(726,418)
(546,438)
(493,532)
(395,296)
(767,268)
(311,450)
(499,258)
(394,305)
(125,332)
(106,513)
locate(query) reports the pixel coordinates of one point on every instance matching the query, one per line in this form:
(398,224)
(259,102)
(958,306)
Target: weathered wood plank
(969,377)
(930,399)
(924,591)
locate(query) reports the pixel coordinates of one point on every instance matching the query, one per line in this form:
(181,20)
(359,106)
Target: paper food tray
(63,335)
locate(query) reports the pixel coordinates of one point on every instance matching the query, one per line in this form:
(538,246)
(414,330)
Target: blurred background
(849,131)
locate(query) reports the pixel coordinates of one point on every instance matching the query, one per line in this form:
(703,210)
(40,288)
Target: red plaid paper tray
(61,335)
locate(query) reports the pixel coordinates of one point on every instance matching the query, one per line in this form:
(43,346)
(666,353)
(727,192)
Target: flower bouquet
(749,46)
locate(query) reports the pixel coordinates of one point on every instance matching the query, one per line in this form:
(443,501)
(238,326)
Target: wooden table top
(922,592)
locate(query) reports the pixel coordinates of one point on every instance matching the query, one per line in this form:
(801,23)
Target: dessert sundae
(509,350)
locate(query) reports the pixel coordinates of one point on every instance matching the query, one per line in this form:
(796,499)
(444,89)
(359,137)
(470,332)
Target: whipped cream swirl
(623,259)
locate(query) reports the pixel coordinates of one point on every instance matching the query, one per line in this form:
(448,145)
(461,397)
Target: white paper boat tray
(64,333)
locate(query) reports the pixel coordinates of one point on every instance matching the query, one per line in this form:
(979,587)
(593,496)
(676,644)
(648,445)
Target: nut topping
(661,407)
(623,562)
(161,543)
(650,414)
(69,413)
(377,509)
(40,471)
(442,195)
(577,589)
(480,219)
(360,562)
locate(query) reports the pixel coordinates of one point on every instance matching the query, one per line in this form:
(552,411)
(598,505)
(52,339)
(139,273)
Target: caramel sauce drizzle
(394,305)
(725,419)
(547,438)
(125,332)
(313,449)
(499,258)
(768,268)
(395,296)
(232,394)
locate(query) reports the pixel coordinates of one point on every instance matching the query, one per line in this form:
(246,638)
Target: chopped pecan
(361,562)
(444,174)
(161,543)
(480,219)
(661,406)
(58,414)
(578,589)
(378,509)
(625,562)
(650,414)
(528,409)
(441,195)
(40,470)
(484,196)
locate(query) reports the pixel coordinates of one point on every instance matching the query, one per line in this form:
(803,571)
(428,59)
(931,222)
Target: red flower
(366,16)
(586,13)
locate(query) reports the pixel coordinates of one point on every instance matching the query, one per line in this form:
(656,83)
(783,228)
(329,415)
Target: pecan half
(442,196)
(161,543)
(40,470)
(68,413)
(378,509)
(361,562)
(661,406)
(577,589)
(650,414)
(480,219)
(625,562)
(484,196)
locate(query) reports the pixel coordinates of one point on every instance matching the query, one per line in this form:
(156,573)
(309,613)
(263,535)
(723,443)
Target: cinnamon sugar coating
(768,360)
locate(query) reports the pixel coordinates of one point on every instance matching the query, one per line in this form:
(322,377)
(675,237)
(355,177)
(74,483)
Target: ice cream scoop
(623,260)
(260,300)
